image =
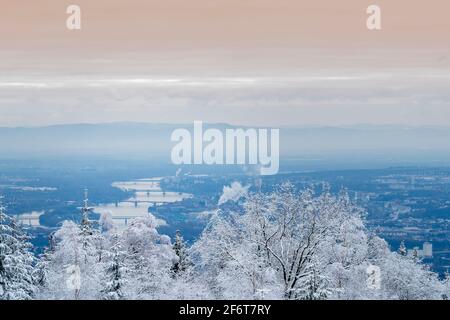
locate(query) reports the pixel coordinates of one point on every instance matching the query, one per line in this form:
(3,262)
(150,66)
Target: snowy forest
(288,244)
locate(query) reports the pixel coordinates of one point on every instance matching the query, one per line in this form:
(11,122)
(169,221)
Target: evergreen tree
(446,287)
(315,287)
(415,255)
(149,259)
(73,268)
(42,267)
(114,271)
(402,249)
(16,261)
(183,262)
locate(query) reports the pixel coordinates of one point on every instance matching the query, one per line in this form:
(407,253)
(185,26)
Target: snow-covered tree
(282,245)
(16,261)
(295,245)
(404,278)
(149,259)
(315,286)
(272,246)
(402,249)
(185,283)
(43,265)
(183,261)
(446,287)
(106,221)
(74,266)
(114,271)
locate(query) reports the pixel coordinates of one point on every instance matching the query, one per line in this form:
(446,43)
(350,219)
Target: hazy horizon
(190,124)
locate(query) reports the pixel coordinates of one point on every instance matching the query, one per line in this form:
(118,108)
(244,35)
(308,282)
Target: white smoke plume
(233,192)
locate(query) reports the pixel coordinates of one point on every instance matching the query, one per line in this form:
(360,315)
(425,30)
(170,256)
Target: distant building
(427,249)
(426,252)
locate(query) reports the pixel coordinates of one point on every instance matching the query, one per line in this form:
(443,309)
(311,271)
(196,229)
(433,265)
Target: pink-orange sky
(314,62)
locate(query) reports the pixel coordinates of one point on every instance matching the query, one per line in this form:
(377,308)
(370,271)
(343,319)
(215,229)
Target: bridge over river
(147,194)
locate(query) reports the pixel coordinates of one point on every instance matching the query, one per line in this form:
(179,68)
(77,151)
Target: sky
(250,62)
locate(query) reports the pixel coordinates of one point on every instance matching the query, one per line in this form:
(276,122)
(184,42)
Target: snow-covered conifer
(114,271)
(183,261)
(16,261)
